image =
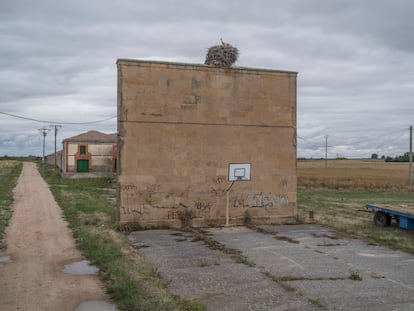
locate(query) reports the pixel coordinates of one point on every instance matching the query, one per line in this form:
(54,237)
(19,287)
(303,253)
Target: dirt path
(39,244)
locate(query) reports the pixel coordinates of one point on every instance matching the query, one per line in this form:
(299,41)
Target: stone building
(55,159)
(92,152)
(204,145)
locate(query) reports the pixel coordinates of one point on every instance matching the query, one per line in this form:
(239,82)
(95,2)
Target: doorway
(82,166)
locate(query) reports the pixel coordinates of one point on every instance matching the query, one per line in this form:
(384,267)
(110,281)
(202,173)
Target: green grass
(235,254)
(131,282)
(355,276)
(345,211)
(9,173)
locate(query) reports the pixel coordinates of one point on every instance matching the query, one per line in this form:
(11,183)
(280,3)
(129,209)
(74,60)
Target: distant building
(204,145)
(90,154)
(50,159)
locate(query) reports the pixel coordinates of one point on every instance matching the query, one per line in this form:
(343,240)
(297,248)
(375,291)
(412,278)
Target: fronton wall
(181,125)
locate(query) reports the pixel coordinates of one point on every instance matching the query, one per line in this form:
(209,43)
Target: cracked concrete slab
(295,267)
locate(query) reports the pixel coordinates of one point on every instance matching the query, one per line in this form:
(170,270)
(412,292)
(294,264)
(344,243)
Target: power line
(48,121)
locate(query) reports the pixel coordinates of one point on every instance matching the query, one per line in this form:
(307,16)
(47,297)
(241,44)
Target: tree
(403,158)
(374,156)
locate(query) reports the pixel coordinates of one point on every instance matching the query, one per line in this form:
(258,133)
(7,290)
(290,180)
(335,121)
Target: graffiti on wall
(138,201)
(219,187)
(261,200)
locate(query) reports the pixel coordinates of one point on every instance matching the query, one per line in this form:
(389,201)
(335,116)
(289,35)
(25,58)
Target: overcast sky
(355,63)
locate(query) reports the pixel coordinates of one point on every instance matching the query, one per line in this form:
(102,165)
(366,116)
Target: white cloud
(355,61)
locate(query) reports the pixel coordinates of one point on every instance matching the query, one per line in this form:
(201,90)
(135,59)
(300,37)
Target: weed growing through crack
(247,220)
(317,302)
(274,234)
(186,219)
(280,281)
(235,254)
(355,276)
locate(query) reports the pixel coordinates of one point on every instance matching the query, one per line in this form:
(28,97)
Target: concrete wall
(181,125)
(50,159)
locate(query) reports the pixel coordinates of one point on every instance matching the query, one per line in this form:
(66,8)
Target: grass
(235,254)
(88,207)
(355,276)
(345,211)
(274,234)
(282,281)
(342,205)
(9,173)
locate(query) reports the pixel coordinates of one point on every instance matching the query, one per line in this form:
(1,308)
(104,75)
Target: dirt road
(39,244)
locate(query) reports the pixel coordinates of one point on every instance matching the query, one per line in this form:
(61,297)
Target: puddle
(95,305)
(80,268)
(5,259)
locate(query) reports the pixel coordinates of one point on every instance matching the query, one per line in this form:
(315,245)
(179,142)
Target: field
(353,174)
(336,196)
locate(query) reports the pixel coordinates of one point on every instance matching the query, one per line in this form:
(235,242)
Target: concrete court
(296,267)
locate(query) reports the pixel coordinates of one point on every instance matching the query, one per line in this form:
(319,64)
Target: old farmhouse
(91,152)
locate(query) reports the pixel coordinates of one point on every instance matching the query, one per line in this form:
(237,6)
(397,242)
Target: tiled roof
(93,137)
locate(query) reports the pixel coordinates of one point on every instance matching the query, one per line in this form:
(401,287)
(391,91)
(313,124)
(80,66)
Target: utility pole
(410,173)
(55,126)
(326,151)
(44,131)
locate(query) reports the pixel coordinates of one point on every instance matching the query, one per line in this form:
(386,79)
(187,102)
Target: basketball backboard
(239,171)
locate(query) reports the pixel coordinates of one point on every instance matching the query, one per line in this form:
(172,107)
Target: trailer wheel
(389,220)
(382,219)
(397,219)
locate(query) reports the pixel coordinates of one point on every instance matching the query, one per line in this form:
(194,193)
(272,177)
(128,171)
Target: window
(82,149)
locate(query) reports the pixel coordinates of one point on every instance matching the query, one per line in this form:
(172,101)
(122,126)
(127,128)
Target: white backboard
(239,171)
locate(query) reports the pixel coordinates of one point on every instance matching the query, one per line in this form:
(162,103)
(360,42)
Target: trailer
(384,214)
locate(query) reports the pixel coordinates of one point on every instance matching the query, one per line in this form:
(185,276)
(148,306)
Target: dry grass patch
(353,174)
(336,196)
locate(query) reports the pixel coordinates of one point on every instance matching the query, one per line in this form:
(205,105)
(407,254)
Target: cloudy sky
(355,63)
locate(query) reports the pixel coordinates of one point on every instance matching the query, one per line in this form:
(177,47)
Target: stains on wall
(151,199)
(180,125)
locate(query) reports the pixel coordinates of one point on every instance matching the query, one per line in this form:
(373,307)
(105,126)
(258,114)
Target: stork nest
(223,55)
